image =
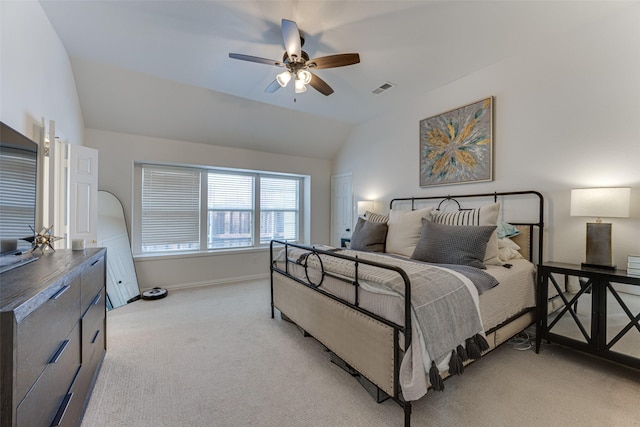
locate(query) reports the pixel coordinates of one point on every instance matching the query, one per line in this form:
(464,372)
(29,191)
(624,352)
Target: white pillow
(485,215)
(508,249)
(404,230)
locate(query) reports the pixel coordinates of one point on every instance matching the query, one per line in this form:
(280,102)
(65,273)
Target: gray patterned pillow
(453,244)
(485,215)
(369,236)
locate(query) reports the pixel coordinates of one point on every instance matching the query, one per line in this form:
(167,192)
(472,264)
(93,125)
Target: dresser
(52,337)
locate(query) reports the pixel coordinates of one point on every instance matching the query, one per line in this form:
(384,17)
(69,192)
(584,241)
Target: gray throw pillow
(369,236)
(453,244)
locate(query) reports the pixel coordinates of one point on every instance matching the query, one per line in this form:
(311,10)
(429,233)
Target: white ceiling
(161,68)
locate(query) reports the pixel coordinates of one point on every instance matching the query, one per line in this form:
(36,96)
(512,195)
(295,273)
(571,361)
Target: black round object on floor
(155,293)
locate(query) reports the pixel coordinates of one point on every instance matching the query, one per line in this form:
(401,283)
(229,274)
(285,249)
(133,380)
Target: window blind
(170,210)
(230,210)
(279,207)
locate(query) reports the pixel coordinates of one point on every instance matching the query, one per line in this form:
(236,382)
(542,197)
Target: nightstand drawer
(41,404)
(42,333)
(92,281)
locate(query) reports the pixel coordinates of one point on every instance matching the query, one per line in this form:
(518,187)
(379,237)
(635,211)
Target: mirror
(122,282)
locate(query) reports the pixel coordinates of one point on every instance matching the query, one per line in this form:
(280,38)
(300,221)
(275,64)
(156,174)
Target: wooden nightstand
(605,327)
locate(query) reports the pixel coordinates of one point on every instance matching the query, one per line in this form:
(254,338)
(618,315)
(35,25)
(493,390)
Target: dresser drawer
(42,332)
(41,404)
(93,279)
(93,333)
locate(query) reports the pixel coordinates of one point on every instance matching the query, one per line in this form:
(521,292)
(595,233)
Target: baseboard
(225,281)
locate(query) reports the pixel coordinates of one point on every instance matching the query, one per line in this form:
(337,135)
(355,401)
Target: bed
(457,278)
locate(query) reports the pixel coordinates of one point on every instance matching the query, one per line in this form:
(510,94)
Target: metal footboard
(365,329)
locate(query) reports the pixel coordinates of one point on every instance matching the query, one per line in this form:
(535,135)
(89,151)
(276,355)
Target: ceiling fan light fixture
(283,78)
(300,87)
(304,76)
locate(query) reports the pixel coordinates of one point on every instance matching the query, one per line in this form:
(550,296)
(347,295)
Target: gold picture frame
(456,147)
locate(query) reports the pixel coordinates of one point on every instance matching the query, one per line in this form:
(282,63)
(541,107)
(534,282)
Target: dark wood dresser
(52,337)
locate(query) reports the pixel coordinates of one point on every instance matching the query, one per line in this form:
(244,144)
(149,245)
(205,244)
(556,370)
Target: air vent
(382,88)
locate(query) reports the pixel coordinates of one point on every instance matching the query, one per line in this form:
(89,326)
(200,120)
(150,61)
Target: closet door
(341,208)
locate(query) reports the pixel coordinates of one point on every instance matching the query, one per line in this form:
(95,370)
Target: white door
(83,194)
(341,208)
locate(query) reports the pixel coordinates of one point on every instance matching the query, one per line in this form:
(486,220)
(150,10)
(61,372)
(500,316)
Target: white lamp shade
(304,76)
(283,78)
(300,87)
(601,202)
(364,206)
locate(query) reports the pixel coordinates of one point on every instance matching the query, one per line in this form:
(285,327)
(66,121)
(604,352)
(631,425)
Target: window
(279,209)
(230,210)
(170,209)
(200,209)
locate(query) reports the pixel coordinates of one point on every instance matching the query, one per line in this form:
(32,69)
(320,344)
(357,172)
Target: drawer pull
(95,337)
(59,352)
(57,421)
(96,299)
(61,291)
(95,262)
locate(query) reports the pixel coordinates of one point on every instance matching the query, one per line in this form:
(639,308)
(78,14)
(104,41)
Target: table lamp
(599,203)
(363,206)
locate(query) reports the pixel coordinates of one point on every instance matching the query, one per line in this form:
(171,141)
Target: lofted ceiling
(161,68)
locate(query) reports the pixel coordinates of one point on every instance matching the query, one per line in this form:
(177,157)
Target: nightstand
(345,242)
(606,327)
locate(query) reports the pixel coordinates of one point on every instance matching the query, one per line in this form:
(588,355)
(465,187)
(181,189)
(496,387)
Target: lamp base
(598,245)
(602,267)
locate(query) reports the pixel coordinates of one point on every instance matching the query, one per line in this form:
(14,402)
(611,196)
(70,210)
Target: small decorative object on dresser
(633,265)
(53,332)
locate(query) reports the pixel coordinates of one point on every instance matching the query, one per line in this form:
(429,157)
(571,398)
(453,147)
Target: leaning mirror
(122,282)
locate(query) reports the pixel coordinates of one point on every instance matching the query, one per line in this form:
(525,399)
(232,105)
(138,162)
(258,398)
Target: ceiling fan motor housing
(303,54)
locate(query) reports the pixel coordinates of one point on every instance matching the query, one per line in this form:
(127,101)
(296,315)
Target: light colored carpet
(212,356)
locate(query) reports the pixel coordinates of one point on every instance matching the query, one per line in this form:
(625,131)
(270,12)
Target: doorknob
(347,230)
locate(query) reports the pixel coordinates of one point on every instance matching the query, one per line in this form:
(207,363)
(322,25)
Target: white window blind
(279,207)
(230,210)
(170,209)
(17,193)
(183,208)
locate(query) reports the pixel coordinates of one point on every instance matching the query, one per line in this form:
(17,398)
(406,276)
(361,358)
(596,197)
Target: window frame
(136,229)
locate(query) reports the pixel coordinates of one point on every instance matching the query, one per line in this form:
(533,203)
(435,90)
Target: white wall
(118,152)
(36,80)
(566,116)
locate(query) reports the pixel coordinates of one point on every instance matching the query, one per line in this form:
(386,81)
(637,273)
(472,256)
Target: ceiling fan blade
(256,59)
(274,86)
(333,61)
(291,38)
(320,85)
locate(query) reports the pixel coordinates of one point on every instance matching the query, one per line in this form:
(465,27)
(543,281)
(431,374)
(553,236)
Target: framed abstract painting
(456,147)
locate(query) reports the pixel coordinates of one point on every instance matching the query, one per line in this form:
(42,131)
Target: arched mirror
(122,282)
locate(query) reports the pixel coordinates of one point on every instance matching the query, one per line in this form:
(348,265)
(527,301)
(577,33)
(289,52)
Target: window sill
(198,254)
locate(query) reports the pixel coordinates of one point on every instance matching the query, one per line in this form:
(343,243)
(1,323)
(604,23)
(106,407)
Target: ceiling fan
(297,63)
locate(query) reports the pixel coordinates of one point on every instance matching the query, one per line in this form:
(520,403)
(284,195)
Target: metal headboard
(455,198)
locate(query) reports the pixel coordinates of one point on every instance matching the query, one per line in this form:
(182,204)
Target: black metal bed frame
(406,330)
